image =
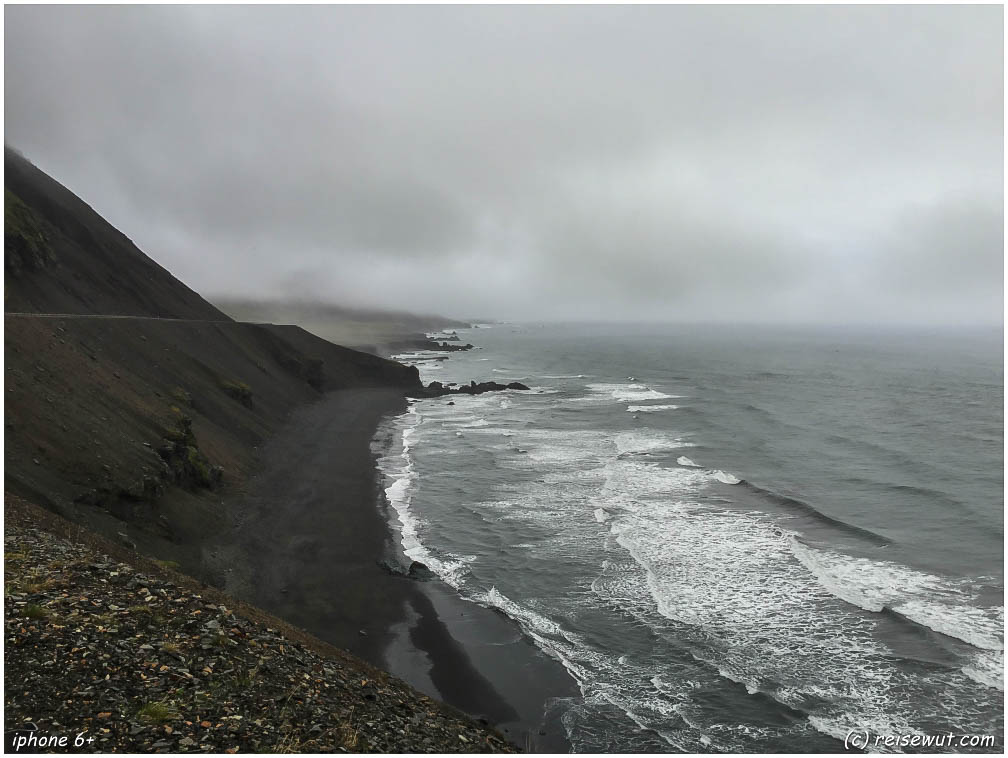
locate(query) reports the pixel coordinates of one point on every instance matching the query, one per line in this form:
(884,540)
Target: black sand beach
(306,546)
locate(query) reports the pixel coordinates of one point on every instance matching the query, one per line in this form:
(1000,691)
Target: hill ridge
(61,256)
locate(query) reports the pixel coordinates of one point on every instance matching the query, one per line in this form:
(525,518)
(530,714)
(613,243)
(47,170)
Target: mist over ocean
(734,539)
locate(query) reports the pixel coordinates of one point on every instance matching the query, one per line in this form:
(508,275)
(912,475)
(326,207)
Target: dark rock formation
(445,347)
(437,389)
(239,391)
(420,572)
(186,464)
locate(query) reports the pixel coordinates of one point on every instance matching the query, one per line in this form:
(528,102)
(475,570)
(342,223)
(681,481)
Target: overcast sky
(809,164)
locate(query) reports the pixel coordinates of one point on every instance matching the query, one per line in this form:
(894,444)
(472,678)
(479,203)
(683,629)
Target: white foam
(721,476)
(496,599)
(723,582)
(629,392)
(549,450)
(650,408)
(932,601)
(987,667)
(645,442)
(758,618)
(403,483)
(474,424)
(979,627)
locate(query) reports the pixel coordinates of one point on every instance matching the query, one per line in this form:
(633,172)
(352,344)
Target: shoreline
(443,628)
(318,563)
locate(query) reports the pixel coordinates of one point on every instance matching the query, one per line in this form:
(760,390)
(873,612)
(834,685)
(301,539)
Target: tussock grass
(158,712)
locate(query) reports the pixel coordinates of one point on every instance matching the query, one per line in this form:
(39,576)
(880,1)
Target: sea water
(734,539)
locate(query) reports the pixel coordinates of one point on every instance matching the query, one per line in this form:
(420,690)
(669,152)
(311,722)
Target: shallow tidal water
(734,540)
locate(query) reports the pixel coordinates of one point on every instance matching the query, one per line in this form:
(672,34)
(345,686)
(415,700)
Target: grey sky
(827,163)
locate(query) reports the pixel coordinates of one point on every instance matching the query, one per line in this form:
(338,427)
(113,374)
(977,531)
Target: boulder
(419,571)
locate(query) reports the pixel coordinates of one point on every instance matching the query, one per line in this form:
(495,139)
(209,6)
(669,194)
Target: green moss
(200,467)
(238,390)
(188,466)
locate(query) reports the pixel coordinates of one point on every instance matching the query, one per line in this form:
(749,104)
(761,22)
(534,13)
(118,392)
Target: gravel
(133,662)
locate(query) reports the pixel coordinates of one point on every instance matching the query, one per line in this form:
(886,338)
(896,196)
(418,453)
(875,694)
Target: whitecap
(650,408)
(987,667)
(721,476)
(644,442)
(629,392)
(932,601)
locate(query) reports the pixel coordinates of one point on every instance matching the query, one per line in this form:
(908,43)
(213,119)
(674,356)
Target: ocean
(734,539)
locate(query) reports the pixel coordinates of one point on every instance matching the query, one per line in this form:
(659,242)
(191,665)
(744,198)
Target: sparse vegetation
(26,241)
(159,712)
(36,586)
(34,611)
(185,683)
(348,735)
(190,468)
(238,390)
(181,396)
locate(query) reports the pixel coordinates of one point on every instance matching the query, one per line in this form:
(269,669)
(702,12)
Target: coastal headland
(236,454)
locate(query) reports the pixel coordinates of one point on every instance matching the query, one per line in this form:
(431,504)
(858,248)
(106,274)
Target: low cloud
(705,163)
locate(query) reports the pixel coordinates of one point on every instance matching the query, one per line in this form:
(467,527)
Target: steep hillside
(138,409)
(62,257)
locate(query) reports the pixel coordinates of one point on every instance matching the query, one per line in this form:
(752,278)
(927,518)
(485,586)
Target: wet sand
(309,539)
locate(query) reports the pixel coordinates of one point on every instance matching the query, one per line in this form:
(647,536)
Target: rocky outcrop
(186,465)
(183,464)
(437,389)
(447,348)
(239,391)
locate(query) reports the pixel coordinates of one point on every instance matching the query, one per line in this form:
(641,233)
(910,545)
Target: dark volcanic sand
(307,544)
